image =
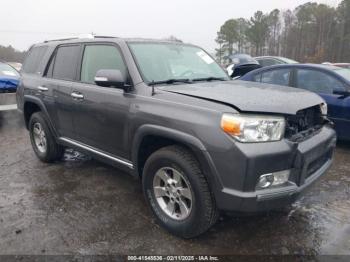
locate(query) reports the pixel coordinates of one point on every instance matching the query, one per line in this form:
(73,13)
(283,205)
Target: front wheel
(178,192)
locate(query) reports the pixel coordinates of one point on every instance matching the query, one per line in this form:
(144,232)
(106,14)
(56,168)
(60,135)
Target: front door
(100,114)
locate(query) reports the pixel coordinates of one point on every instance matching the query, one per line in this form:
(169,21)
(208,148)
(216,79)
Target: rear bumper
(308,161)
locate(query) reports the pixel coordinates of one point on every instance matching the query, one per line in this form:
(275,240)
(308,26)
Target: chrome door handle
(77,95)
(42,88)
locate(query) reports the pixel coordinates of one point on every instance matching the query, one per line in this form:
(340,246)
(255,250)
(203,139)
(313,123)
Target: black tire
(203,213)
(53,150)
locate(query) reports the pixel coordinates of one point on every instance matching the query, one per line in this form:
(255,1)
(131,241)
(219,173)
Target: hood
(250,96)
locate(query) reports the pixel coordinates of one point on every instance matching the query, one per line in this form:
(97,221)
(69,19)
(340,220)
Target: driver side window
(317,81)
(98,57)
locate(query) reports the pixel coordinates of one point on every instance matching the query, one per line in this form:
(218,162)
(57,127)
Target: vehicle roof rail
(105,36)
(61,39)
(82,36)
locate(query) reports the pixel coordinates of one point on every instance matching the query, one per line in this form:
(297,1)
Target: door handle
(77,95)
(42,88)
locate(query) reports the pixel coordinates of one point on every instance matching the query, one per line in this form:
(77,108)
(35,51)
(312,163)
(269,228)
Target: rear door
(61,73)
(325,85)
(100,114)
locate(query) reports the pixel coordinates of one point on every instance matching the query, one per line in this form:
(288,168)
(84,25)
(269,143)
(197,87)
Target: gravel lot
(80,206)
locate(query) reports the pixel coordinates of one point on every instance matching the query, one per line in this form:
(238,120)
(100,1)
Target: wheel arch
(32,105)
(150,138)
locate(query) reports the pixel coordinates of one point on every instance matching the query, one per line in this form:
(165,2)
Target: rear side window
(33,59)
(98,57)
(276,77)
(65,62)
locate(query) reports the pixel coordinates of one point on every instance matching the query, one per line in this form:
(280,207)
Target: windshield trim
(144,79)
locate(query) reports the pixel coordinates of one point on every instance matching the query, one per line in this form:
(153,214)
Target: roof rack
(105,36)
(82,36)
(61,39)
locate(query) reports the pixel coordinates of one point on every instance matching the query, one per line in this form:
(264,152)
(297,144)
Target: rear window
(65,63)
(33,59)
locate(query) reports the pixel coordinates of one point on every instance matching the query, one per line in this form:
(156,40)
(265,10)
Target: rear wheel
(178,192)
(42,139)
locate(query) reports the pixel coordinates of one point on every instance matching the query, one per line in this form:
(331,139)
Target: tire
(49,151)
(179,164)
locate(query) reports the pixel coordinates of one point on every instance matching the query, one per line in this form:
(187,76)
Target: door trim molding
(98,152)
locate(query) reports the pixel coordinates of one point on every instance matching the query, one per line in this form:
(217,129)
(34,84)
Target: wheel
(42,139)
(178,192)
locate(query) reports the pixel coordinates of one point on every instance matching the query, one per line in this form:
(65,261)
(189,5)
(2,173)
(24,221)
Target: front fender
(196,146)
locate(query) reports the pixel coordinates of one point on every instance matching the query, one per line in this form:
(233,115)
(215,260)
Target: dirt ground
(80,206)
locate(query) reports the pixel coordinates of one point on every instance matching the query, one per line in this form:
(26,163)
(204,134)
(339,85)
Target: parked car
(9,78)
(241,64)
(343,65)
(169,115)
(274,60)
(15,65)
(330,82)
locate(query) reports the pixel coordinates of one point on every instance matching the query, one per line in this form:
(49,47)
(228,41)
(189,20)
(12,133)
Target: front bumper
(308,161)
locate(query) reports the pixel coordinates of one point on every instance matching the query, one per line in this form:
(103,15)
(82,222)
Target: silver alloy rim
(39,137)
(173,193)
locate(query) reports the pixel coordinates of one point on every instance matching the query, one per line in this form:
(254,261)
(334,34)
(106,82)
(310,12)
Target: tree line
(9,54)
(311,32)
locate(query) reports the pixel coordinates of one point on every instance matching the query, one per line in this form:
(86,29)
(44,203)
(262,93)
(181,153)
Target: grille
(304,124)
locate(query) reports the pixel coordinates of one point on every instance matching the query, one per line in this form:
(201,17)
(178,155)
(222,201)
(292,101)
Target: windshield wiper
(170,81)
(210,78)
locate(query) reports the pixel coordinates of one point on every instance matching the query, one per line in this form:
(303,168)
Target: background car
(9,78)
(241,64)
(274,60)
(15,65)
(343,65)
(330,82)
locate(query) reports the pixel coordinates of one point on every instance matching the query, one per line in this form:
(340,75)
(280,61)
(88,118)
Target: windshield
(163,61)
(6,70)
(345,73)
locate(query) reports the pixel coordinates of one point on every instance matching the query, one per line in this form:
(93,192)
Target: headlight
(253,128)
(324,109)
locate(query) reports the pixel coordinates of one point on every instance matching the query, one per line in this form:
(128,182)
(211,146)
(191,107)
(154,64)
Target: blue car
(9,78)
(330,82)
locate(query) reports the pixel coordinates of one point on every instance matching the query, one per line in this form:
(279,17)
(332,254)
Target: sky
(25,22)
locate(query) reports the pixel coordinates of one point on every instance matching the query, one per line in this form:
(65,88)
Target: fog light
(273,179)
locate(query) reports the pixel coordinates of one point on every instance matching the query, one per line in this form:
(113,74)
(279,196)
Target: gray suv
(168,114)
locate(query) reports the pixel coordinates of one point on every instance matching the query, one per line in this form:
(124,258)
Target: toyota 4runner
(168,114)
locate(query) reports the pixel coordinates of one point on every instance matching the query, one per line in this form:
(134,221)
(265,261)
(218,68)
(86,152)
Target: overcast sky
(24,22)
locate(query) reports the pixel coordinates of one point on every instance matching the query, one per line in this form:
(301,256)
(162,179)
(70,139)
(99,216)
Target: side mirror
(110,78)
(341,93)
